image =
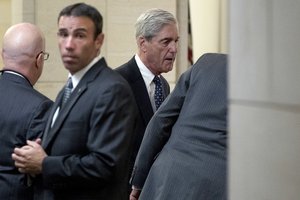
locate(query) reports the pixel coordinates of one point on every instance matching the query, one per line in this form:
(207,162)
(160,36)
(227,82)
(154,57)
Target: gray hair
(152,21)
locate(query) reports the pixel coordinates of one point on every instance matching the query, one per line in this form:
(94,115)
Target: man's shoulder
(20,94)
(26,92)
(130,71)
(211,60)
(108,77)
(127,67)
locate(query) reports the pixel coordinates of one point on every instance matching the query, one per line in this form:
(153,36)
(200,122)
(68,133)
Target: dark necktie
(158,94)
(67,91)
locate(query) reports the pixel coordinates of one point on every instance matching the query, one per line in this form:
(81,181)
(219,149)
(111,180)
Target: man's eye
(80,36)
(165,43)
(62,34)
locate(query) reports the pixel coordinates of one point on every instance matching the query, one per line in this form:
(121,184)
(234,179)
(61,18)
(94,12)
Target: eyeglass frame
(45,55)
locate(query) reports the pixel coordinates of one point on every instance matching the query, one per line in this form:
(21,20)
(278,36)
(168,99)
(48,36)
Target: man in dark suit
(157,38)
(85,148)
(184,153)
(23,110)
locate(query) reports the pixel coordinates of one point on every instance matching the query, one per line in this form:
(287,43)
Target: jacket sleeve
(159,130)
(38,120)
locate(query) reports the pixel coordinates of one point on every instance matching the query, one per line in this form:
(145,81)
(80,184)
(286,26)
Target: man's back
(187,137)
(23,114)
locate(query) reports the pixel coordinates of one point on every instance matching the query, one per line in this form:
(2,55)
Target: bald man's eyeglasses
(45,55)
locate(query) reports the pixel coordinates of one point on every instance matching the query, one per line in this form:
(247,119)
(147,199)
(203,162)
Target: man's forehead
(73,22)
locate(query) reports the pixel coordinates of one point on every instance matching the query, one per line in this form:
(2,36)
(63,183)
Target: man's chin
(169,68)
(69,66)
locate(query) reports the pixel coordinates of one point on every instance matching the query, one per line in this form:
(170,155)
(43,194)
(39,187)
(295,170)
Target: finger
(18,151)
(39,141)
(19,164)
(33,144)
(21,152)
(135,194)
(27,147)
(132,198)
(18,159)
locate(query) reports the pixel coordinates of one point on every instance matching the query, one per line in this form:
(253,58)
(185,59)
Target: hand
(29,158)
(134,195)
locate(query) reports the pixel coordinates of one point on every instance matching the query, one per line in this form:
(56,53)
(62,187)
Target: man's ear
(99,40)
(141,42)
(39,61)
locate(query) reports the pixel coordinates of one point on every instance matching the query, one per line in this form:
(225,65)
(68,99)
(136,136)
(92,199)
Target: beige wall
(5,20)
(119,18)
(209,26)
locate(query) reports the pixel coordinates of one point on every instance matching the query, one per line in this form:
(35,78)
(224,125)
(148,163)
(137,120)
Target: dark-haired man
(87,139)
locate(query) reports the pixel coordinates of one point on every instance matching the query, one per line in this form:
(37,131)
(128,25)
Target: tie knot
(69,83)
(156,80)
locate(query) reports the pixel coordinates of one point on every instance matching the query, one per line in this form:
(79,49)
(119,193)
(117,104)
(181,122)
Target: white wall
(264,100)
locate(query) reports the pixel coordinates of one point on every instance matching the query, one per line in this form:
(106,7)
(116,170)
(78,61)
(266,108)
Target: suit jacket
(23,114)
(130,71)
(184,148)
(89,143)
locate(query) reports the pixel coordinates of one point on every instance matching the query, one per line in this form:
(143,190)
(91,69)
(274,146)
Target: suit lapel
(64,112)
(62,115)
(49,121)
(141,94)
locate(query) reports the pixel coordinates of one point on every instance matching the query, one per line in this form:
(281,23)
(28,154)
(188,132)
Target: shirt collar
(9,71)
(78,75)
(146,73)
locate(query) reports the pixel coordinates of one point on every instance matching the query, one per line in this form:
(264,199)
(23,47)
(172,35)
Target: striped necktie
(67,91)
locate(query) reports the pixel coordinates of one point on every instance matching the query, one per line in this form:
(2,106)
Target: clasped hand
(28,159)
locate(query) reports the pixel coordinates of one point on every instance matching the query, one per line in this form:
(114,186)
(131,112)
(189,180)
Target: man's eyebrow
(165,39)
(76,30)
(80,29)
(62,29)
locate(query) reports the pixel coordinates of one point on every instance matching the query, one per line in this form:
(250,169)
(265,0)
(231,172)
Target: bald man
(23,110)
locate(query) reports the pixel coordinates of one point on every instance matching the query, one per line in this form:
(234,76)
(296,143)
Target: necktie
(158,95)
(67,91)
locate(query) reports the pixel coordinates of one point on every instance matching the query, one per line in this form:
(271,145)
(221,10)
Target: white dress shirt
(148,77)
(75,80)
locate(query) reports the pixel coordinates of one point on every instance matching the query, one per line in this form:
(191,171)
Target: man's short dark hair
(82,9)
